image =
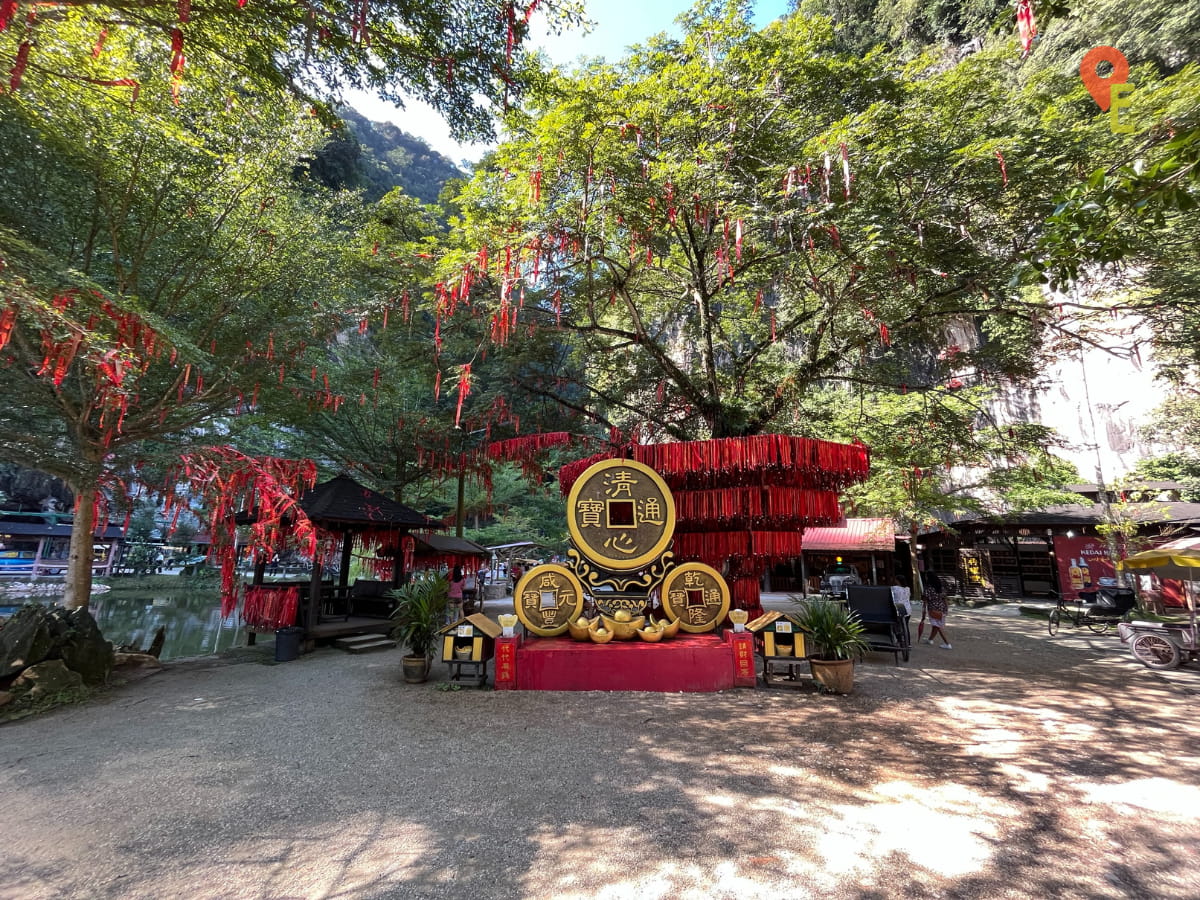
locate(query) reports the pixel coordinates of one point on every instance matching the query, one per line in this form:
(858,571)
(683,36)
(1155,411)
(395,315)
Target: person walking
(457,583)
(936,606)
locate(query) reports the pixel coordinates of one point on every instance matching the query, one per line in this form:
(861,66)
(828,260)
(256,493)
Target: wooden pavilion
(355,514)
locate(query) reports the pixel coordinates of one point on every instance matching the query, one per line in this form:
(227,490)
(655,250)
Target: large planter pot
(835,675)
(416,669)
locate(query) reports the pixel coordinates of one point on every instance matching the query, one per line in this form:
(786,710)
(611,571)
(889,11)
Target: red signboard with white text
(1083,565)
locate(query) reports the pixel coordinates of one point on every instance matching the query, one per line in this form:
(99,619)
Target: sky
(617,24)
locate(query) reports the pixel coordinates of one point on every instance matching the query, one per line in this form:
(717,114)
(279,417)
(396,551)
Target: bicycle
(1110,607)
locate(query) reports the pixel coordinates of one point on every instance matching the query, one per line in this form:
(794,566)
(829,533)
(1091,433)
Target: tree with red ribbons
(466,59)
(159,278)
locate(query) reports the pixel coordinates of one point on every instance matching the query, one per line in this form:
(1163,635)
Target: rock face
(47,678)
(5,698)
(38,633)
(25,640)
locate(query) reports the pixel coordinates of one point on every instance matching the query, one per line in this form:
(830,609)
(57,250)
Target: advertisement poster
(1083,565)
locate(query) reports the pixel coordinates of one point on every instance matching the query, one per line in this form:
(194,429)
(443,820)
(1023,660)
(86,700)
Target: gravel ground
(1014,765)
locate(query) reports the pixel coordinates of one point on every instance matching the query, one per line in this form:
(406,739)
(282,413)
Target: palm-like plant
(835,631)
(421,606)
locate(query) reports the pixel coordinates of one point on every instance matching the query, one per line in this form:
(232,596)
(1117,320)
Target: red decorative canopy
(744,501)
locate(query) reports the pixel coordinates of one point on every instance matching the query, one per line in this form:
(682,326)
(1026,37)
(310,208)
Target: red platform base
(694,663)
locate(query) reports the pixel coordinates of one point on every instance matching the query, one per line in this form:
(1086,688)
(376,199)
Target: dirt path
(1014,765)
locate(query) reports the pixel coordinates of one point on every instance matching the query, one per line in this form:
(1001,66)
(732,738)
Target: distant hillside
(378,156)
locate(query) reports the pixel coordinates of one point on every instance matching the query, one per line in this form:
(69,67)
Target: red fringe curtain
(764,459)
(755,507)
(267,608)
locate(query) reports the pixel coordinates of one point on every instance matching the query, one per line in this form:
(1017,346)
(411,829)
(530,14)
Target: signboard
(1083,565)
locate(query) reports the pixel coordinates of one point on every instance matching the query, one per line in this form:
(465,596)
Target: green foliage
(1181,467)
(463,58)
(940,455)
(641,175)
(377,157)
(420,612)
(834,631)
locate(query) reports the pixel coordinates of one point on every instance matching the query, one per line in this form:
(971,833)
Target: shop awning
(866,535)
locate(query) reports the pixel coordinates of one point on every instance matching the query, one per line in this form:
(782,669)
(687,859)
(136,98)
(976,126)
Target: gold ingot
(600,638)
(624,631)
(739,616)
(650,635)
(670,629)
(581,632)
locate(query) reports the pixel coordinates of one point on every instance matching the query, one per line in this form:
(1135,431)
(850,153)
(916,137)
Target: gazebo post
(398,559)
(314,598)
(347,548)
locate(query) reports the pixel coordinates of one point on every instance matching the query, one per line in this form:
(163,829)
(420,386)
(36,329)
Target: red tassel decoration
(464,388)
(18,69)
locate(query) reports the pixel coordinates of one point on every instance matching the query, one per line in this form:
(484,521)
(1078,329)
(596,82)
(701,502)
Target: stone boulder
(38,633)
(80,644)
(5,698)
(48,678)
(25,640)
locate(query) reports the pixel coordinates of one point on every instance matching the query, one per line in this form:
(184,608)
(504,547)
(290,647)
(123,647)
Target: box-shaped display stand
(467,645)
(780,642)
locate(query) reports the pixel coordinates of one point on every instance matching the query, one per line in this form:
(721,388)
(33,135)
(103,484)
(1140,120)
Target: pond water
(192,619)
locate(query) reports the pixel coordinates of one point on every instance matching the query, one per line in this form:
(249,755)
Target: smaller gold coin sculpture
(547,599)
(697,596)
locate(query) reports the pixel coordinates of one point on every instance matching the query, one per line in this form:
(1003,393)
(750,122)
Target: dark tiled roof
(42,529)
(1149,512)
(344,501)
(449,544)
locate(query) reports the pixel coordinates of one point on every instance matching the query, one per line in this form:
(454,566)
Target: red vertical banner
(506,663)
(742,643)
(1082,564)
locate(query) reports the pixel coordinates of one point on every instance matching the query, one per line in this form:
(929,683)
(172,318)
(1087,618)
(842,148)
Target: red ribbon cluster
(764,459)
(715,547)
(755,507)
(229,482)
(269,607)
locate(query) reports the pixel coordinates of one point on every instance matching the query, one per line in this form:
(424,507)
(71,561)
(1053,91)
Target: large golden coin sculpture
(696,595)
(547,599)
(621,514)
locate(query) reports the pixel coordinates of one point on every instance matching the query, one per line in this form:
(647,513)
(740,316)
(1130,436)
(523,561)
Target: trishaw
(1098,610)
(1164,645)
(1160,645)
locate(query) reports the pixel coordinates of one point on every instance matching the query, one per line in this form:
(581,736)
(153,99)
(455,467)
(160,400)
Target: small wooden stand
(773,630)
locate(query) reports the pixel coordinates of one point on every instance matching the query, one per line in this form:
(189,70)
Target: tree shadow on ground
(1012,766)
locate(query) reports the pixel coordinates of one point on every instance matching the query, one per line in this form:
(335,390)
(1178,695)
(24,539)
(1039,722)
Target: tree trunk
(78,587)
(914,566)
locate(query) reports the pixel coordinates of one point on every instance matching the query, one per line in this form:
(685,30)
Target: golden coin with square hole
(697,596)
(547,599)
(621,514)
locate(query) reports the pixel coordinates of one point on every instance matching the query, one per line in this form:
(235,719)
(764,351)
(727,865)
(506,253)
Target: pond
(131,615)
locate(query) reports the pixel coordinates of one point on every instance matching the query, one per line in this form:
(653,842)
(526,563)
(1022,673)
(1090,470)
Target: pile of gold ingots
(621,517)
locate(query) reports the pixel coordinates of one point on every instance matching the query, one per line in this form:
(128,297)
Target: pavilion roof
(343,501)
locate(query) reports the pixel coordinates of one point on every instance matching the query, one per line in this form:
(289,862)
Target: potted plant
(836,637)
(420,609)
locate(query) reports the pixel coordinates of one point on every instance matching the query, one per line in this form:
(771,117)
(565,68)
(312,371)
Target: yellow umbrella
(1178,559)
